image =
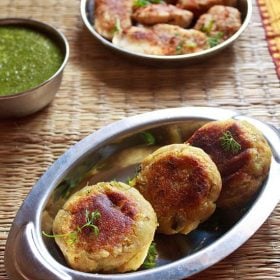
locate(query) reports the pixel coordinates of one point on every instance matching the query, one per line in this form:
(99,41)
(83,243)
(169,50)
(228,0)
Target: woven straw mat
(100,87)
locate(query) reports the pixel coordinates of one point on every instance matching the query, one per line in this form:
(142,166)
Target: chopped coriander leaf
(131,181)
(216,39)
(148,138)
(179,47)
(228,143)
(65,187)
(191,44)
(140,3)
(117,28)
(72,238)
(150,260)
(207,27)
(143,3)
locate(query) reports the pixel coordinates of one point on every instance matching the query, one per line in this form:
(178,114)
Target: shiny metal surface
(87,13)
(28,256)
(33,100)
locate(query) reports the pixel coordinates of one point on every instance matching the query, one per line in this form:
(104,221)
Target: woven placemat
(100,87)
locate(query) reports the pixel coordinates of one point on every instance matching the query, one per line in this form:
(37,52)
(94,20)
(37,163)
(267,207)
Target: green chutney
(27,58)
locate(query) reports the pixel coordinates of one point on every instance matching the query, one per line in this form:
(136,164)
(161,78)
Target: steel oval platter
(29,256)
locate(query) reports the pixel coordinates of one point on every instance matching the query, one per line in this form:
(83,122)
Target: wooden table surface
(100,87)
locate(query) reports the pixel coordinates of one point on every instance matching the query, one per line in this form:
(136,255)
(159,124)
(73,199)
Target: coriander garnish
(117,27)
(215,39)
(228,143)
(191,44)
(179,47)
(71,237)
(131,181)
(207,28)
(150,260)
(143,3)
(90,220)
(148,138)
(140,3)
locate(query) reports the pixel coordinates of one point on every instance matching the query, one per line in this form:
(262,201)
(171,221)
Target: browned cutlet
(162,13)
(112,15)
(118,240)
(182,184)
(161,39)
(241,154)
(219,21)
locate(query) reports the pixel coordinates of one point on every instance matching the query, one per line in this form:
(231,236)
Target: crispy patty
(111,15)
(117,240)
(161,39)
(182,184)
(222,21)
(244,169)
(163,13)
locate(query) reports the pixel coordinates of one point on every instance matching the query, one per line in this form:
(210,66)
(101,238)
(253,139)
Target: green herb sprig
(90,220)
(131,181)
(71,237)
(207,28)
(215,39)
(150,260)
(117,27)
(149,138)
(143,3)
(228,143)
(179,47)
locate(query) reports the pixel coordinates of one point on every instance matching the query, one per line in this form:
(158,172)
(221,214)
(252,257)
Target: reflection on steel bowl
(160,31)
(113,153)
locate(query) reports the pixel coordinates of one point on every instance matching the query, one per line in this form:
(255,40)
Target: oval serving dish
(122,144)
(87,13)
(34,99)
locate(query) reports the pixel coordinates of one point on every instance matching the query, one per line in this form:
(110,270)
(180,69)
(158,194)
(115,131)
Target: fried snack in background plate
(107,227)
(182,183)
(220,22)
(199,7)
(162,13)
(111,16)
(242,156)
(161,39)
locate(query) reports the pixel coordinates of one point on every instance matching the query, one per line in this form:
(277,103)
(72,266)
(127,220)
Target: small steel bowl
(29,256)
(87,13)
(34,99)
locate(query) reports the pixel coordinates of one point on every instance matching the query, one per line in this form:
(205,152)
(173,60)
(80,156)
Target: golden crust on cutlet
(182,184)
(199,7)
(243,171)
(126,226)
(111,15)
(162,13)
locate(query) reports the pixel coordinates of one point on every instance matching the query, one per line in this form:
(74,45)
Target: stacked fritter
(109,227)
(223,161)
(166,27)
